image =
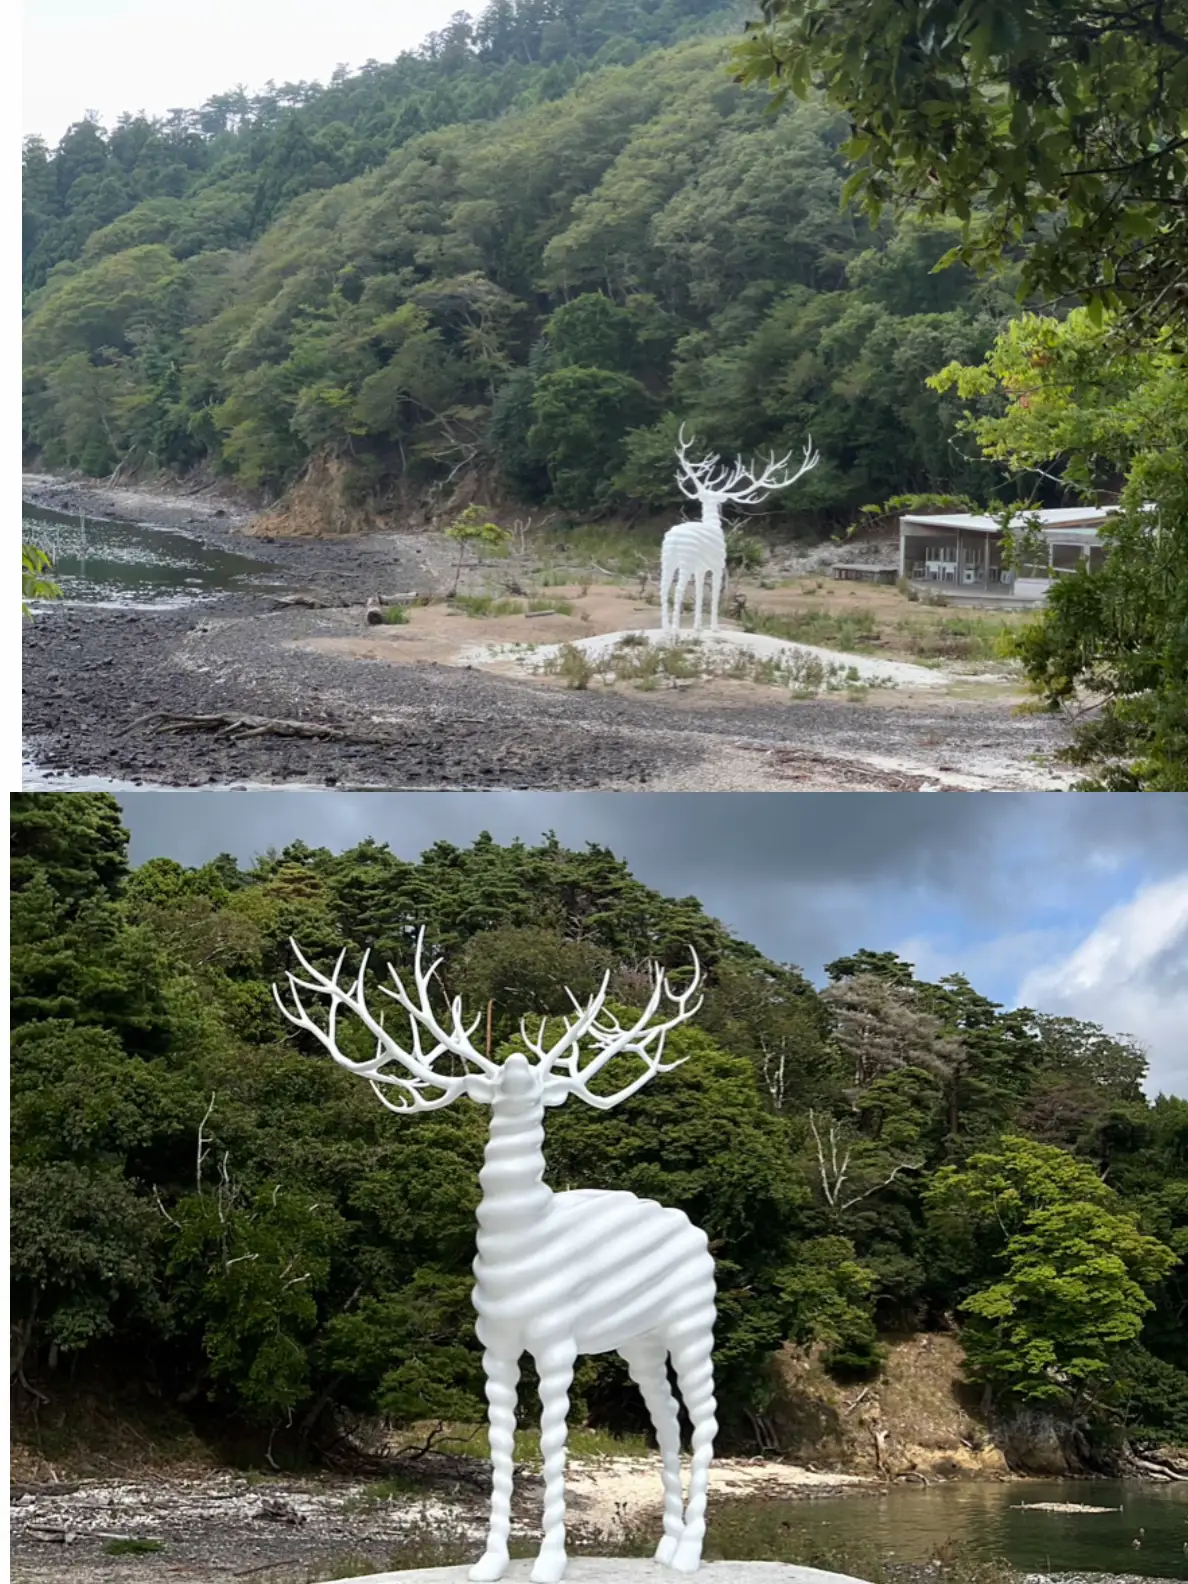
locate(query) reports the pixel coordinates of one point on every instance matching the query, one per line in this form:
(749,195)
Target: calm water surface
(985,1521)
(133,566)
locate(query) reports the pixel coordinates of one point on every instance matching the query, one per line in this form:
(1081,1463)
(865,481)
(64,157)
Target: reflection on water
(985,1521)
(130,565)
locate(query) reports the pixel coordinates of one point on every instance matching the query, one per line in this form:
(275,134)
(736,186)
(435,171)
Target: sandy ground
(213,1527)
(400,706)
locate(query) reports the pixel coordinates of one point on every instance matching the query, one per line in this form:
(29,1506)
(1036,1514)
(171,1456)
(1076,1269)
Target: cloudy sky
(116,55)
(1075,905)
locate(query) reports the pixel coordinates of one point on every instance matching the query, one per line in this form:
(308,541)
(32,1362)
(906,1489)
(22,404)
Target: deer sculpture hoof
(549,1567)
(490,1566)
(686,1558)
(666,1550)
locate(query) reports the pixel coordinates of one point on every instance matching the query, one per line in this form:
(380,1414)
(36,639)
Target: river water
(128,566)
(986,1521)
(131,565)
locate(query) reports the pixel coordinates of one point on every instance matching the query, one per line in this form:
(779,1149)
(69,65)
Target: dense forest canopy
(201,1197)
(527,249)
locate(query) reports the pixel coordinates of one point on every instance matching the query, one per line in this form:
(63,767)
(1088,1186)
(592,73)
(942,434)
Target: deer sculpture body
(695,552)
(557,1274)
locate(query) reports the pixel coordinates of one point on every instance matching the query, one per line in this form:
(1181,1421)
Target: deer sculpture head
(710,480)
(407,1078)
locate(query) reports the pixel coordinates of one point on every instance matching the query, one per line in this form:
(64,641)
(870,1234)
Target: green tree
(1074,395)
(77,844)
(1060,1273)
(35,563)
(581,417)
(476,536)
(1055,123)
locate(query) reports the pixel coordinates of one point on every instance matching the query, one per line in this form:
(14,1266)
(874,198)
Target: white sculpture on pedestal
(694,552)
(558,1274)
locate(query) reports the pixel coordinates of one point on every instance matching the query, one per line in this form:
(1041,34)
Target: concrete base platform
(624,1570)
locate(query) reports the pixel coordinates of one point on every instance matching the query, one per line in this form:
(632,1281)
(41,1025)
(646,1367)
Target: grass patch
(958,637)
(470,1440)
(133,1547)
(825,629)
(395,616)
(637,663)
(488,605)
(572,667)
(932,635)
(621,552)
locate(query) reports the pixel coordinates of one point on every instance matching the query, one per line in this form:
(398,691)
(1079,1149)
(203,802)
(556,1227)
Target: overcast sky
(116,55)
(1076,905)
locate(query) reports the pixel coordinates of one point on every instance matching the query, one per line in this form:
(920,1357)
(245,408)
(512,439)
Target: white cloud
(117,55)
(1130,974)
(993,965)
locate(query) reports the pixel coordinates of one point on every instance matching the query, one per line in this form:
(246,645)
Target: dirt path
(214,1527)
(399,712)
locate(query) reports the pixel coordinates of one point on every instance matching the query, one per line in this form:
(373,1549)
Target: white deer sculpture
(694,552)
(557,1274)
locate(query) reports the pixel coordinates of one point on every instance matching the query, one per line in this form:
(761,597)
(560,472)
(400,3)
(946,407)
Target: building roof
(1048,516)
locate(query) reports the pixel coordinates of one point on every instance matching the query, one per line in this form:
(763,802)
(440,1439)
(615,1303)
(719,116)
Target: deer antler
(755,485)
(710,477)
(611,1039)
(416,1090)
(693,478)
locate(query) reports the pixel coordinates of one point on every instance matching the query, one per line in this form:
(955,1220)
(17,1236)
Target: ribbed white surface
(692,552)
(587,1271)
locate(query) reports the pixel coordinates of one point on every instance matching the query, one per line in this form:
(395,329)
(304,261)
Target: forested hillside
(523,254)
(204,1204)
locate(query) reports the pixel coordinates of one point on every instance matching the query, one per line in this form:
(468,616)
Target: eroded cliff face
(921,1420)
(918,1418)
(330,500)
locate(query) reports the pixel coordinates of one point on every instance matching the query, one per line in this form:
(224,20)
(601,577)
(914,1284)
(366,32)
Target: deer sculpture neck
(515,1195)
(557,1274)
(711,514)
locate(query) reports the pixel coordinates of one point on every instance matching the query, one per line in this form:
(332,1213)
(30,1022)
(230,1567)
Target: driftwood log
(235,727)
(374,613)
(309,600)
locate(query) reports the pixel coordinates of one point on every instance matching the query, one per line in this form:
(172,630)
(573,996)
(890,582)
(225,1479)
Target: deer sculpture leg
(555,1369)
(715,597)
(699,582)
(503,1376)
(678,597)
(647,1364)
(689,581)
(692,1359)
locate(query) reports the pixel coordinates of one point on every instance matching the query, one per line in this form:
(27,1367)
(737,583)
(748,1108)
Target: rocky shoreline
(207,1527)
(211,1526)
(96,682)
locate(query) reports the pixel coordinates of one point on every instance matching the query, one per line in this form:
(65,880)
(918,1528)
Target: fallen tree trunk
(308,600)
(236,727)
(1158,1467)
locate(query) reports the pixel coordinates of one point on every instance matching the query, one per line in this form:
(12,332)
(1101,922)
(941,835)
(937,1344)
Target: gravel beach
(95,679)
